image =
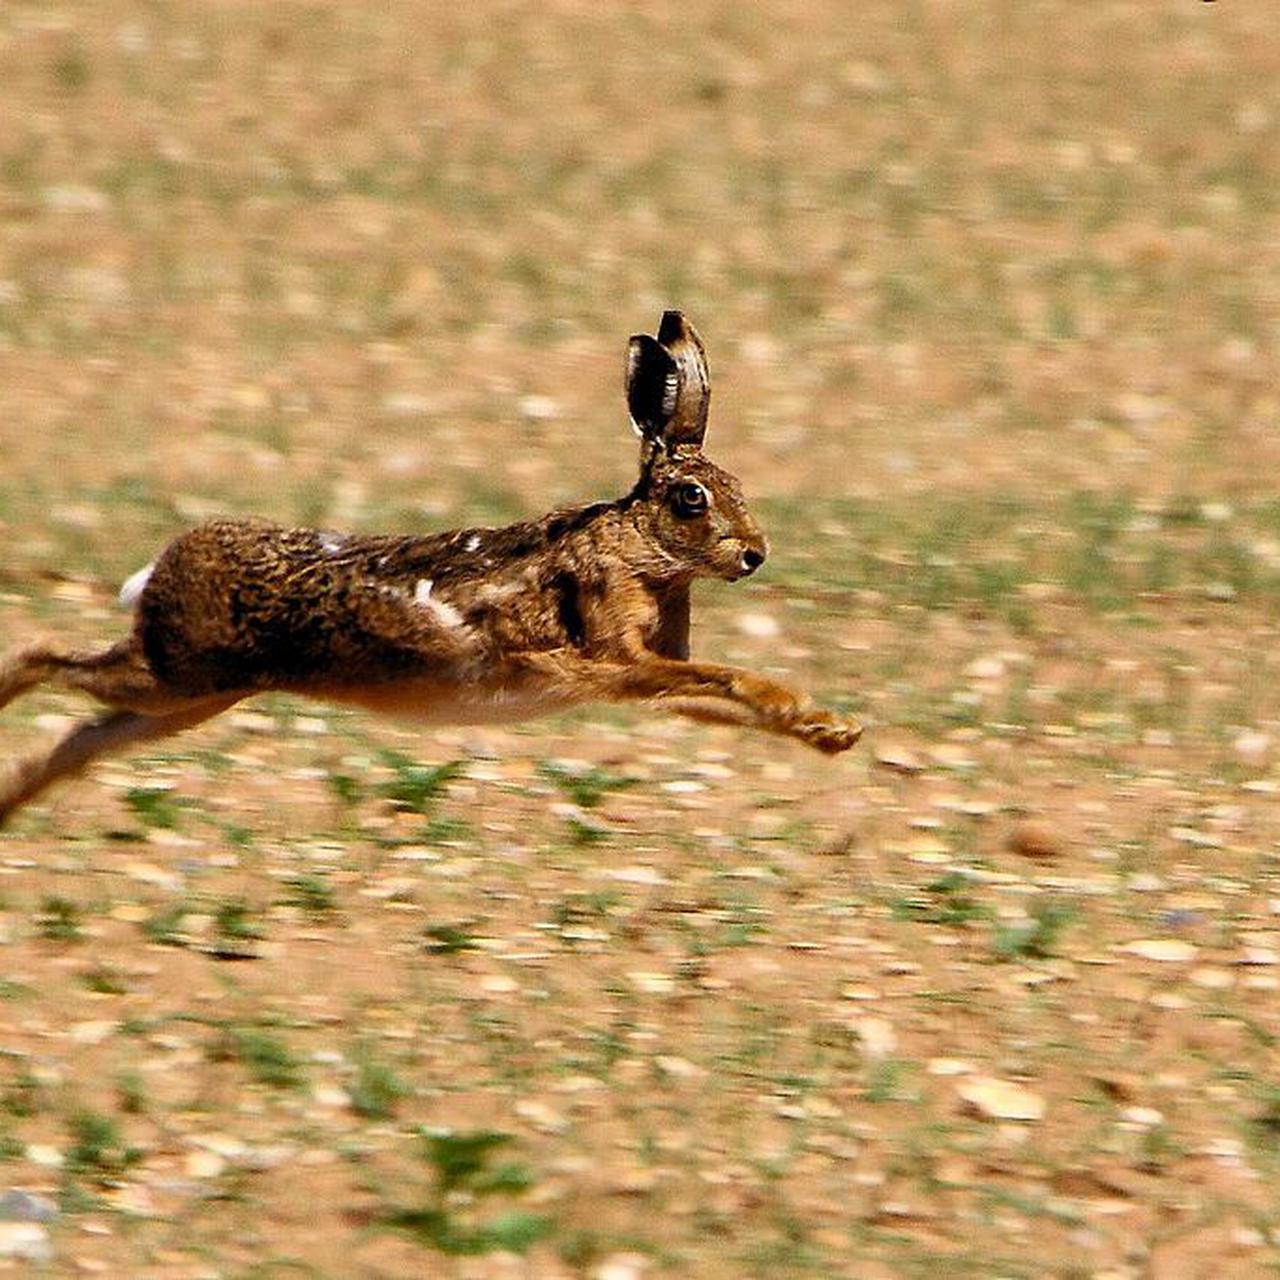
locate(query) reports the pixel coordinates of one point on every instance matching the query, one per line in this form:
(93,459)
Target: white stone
(26,1240)
(761,626)
(1163,950)
(1001,1099)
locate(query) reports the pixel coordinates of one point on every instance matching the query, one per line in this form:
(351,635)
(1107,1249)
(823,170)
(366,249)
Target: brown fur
(586,603)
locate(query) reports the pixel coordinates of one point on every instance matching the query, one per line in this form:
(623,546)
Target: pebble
(635,875)
(221,1144)
(203,1164)
(1164,950)
(1143,1117)
(679,1068)
(950,755)
(652,984)
(877,1036)
(543,1118)
(1146,882)
(762,626)
(1212,978)
(899,759)
(622,1266)
(94,1032)
(1034,839)
(1197,839)
(1001,1099)
(992,668)
(1261,982)
(1252,746)
(149,873)
(328,1095)
(17,1205)
(538,408)
(28,1241)
(949,1067)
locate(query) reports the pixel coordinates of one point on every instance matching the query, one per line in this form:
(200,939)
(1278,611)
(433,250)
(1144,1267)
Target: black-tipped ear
(688,424)
(653,386)
(668,387)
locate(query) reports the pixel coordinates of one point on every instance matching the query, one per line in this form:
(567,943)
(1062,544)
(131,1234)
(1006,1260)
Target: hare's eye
(689,500)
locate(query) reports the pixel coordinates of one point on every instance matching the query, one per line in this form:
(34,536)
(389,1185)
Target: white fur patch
(473,542)
(135,584)
(443,612)
(332,542)
(494,592)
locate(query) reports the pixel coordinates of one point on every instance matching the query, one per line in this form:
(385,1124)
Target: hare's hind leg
(108,735)
(118,677)
(24,669)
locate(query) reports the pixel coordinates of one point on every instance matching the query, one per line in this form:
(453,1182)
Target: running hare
(590,602)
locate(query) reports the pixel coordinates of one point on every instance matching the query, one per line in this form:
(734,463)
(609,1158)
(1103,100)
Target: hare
(475,625)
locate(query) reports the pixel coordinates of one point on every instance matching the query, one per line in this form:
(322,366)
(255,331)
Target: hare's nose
(752,559)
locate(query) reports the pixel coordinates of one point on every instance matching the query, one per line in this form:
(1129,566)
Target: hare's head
(693,512)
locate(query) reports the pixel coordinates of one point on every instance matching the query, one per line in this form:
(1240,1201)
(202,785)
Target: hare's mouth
(743,563)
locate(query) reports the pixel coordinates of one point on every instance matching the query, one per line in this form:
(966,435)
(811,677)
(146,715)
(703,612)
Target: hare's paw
(827,732)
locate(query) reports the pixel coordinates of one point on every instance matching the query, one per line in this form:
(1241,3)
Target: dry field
(992,298)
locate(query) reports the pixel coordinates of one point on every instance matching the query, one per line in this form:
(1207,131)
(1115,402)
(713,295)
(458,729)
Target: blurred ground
(991,294)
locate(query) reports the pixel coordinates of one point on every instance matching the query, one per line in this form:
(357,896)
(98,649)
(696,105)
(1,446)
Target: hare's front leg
(703,691)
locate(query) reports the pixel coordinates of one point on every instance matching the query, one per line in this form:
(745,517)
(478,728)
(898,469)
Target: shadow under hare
(473,625)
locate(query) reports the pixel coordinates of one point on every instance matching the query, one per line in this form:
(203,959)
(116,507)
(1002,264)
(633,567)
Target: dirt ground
(991,294)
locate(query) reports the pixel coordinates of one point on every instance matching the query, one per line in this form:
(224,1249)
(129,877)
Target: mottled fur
(586,603)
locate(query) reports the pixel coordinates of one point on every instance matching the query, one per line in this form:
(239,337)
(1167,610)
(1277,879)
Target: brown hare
(586,603)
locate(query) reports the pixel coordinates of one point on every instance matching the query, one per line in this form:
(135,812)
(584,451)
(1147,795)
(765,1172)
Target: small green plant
(377,1090)
(104,981)
(943,901)
(585,829)
(268,1059)
(884,1081)
(1263,1126)
(416,787)
(578,907)
(588,787)
(131,1093)
(311,894)
(462,1172)
(442,829)
(97,1149)
(1158,1149)
(444,939)
(58,920)
(346,789)
(153,806)
(1037,939)
(235,931)
(165,927)
(25,1095)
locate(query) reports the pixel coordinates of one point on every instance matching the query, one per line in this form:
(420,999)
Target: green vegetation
(416,787)
(461,1166)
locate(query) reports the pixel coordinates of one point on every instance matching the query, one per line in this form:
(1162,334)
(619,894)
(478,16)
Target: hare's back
(245,605)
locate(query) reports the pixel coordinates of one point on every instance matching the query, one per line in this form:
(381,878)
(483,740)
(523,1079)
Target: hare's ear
(668,389)
(688,424)
(653,387)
